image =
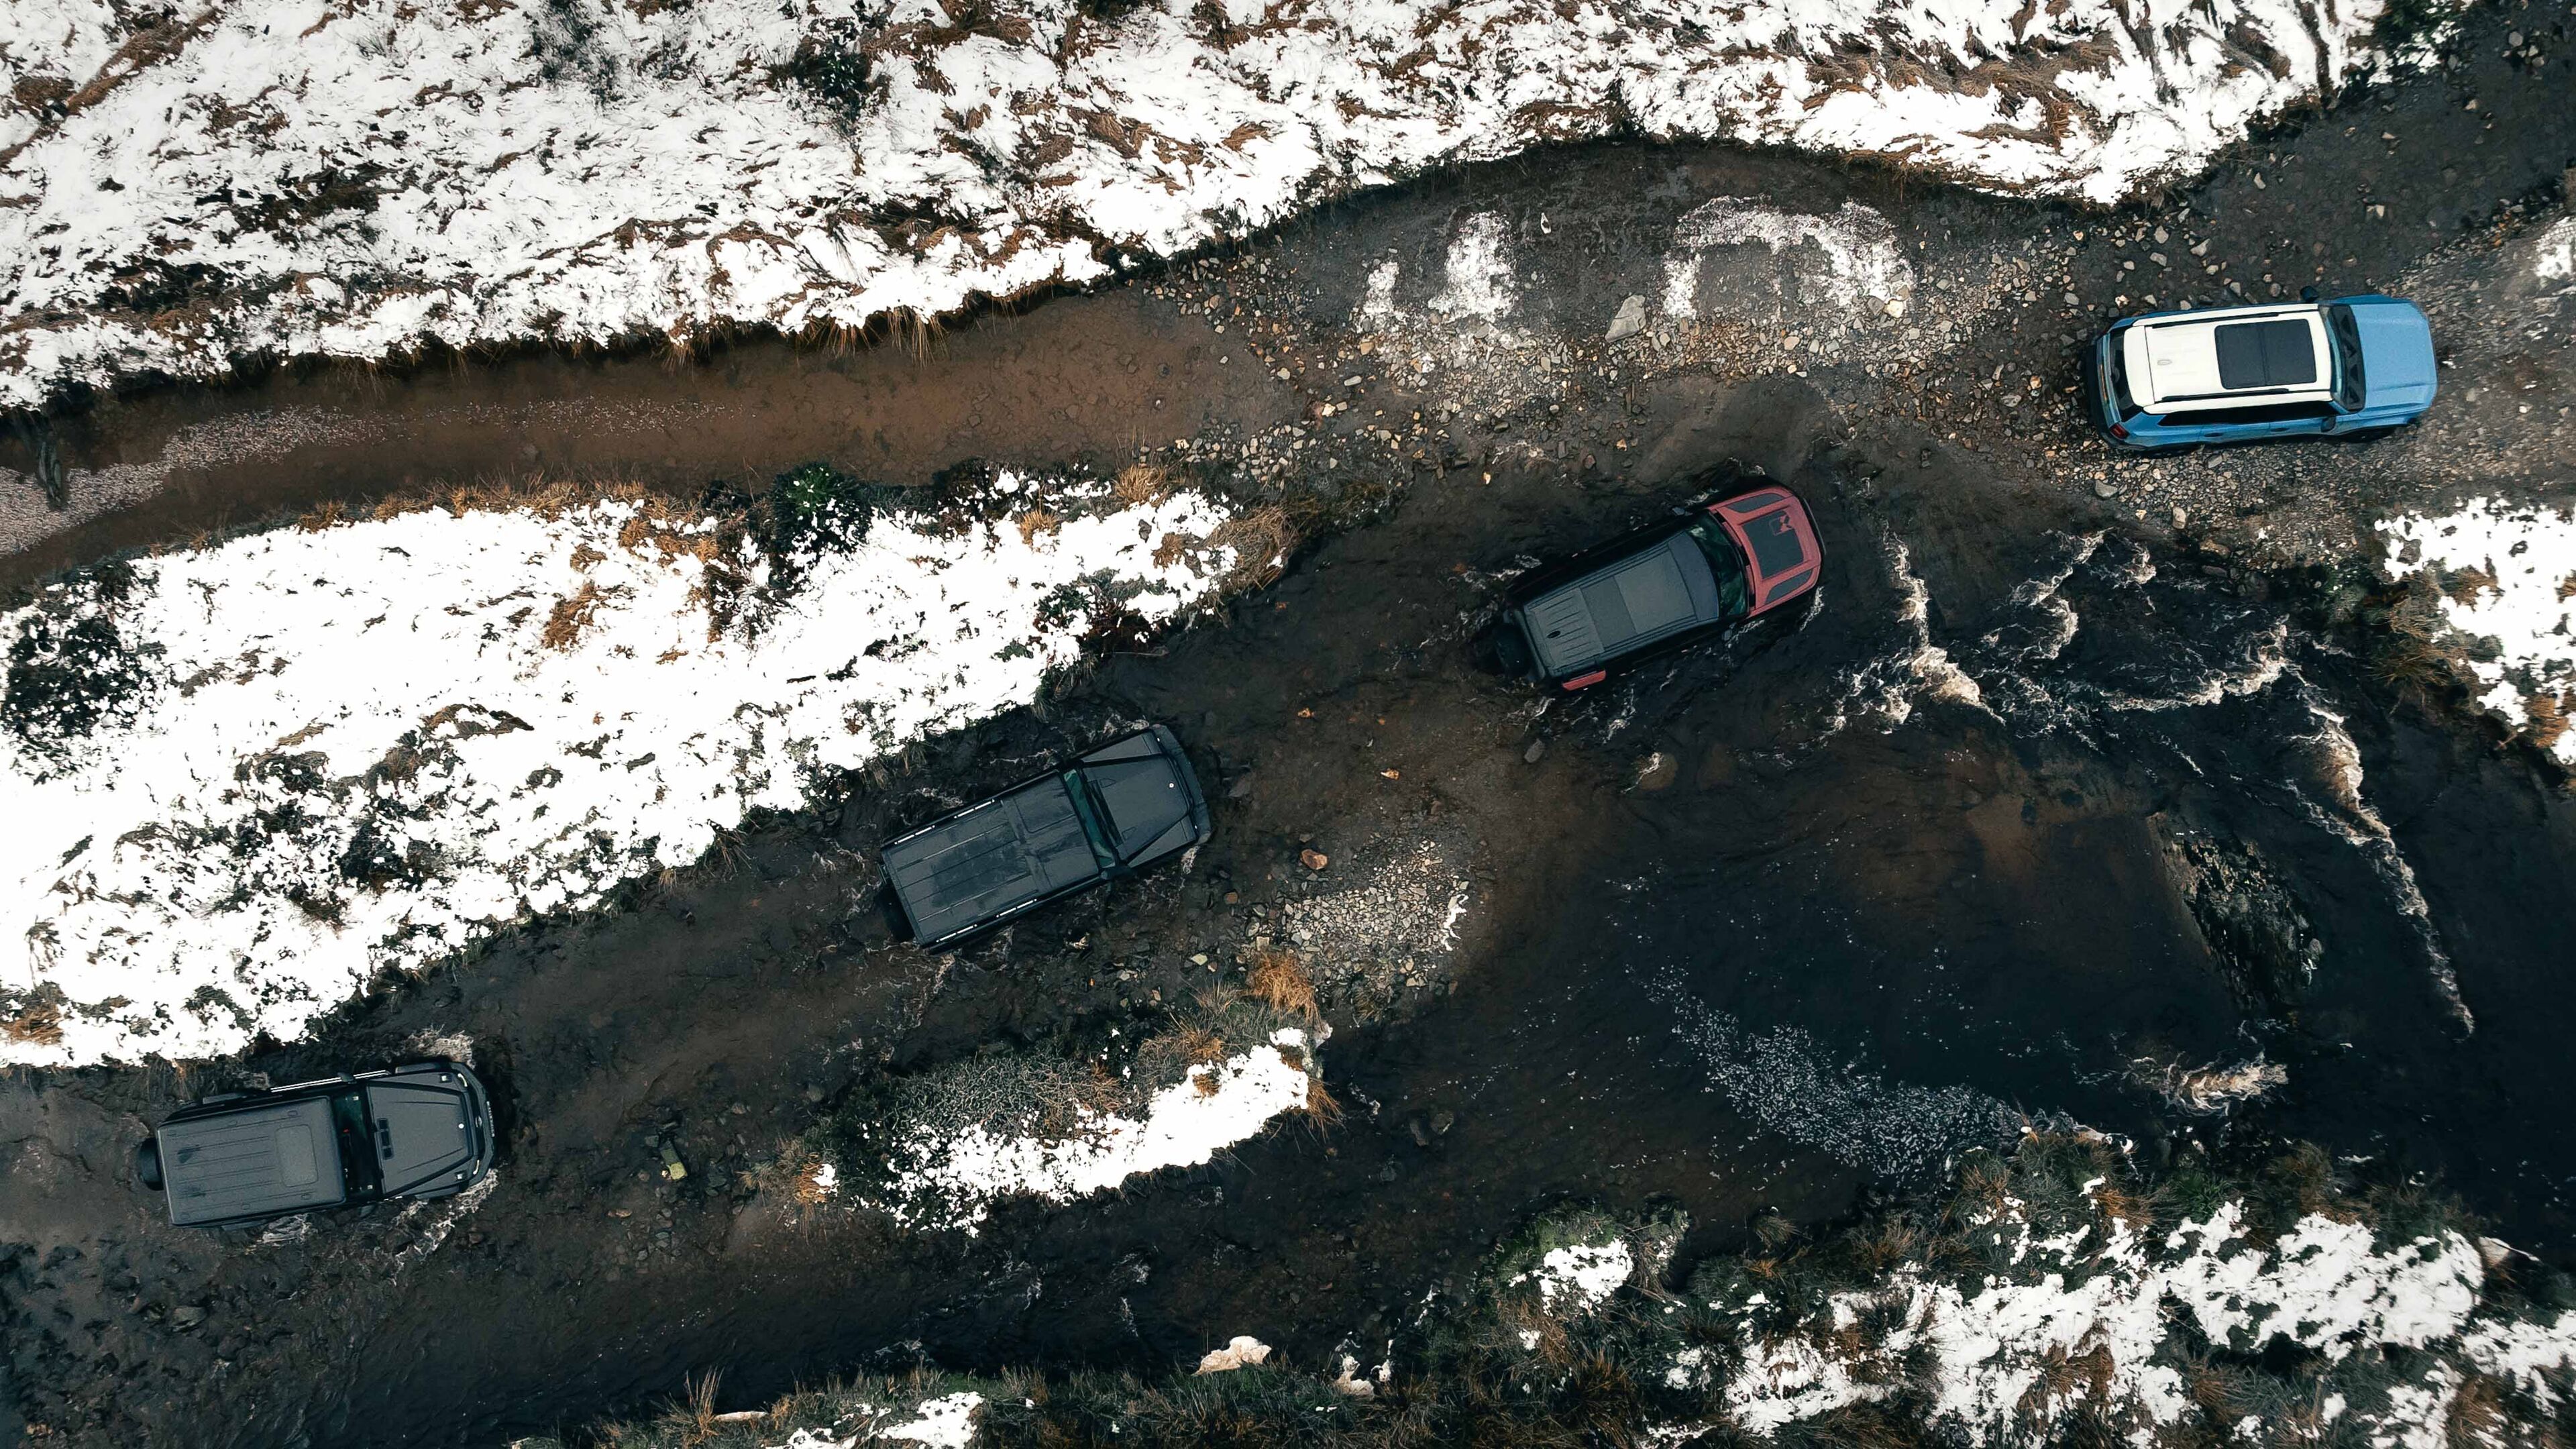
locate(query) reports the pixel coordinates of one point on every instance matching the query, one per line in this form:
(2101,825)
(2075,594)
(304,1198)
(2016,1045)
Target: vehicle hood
(424,1130)
(2398,368)
(1781,555)
(1144,784)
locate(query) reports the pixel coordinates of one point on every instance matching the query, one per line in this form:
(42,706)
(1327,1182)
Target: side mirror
(2307,294)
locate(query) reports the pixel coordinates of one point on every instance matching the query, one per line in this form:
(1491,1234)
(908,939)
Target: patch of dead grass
(1035,522)
(1145,483)
(34,1019)
(572,615)
(1279,978)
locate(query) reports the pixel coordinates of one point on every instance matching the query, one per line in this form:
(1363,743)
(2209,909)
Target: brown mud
(1777,923)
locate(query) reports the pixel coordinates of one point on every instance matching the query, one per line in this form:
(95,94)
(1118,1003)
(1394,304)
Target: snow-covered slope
(2505,587)
(353,177)
(241,781)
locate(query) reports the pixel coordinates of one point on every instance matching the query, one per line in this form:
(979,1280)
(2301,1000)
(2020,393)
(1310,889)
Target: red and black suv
(1711,566)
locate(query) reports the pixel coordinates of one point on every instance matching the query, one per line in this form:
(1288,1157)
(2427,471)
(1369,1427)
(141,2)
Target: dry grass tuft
(1146,483)
(572,614)
(1321,1104)
(1262,539)
(2478,1412)
(35,1020)
(331,514)
(2549,717)
(1199,1046)
(1035,522)
(1278,978)
(2464,585)
(701,1410)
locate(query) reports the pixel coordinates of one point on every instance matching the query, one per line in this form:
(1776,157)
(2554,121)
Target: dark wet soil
(1774,924)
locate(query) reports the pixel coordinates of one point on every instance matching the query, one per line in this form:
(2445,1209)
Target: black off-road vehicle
(1111,813)
(419,1131)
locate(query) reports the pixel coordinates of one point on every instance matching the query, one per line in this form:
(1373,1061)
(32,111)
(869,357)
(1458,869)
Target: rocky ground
(1440,383)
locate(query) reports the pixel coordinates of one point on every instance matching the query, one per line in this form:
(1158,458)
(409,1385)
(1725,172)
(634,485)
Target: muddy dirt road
(2074,795)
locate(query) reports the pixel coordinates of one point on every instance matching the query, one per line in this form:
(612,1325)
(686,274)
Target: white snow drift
(341,750)
(1992,1351)
(953,1179)
(355,177)
(2507,576)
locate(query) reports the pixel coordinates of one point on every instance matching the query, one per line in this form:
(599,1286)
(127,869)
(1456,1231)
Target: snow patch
(954,1180)
(1863,264)
(358,179)
(244,780)
(1240,1351)
(2554,259)
(944,1423)
(1993,1346)
(2507,578)
(1583,1275)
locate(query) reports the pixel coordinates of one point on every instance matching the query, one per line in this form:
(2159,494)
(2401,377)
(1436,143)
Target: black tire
(147,1164)
(1511,651)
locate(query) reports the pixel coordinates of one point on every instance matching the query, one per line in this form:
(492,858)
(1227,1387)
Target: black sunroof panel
(2265,354)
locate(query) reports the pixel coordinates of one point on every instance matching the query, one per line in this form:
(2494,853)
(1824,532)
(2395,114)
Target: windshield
(1726,562)
(2349,384)
(359,1169)
(1095,819)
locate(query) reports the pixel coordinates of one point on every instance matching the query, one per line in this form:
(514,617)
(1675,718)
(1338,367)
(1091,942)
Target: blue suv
(2228,374)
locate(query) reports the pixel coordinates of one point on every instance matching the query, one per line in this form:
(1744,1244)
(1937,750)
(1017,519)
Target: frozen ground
(244,780)
(1990,1343)
(945,1178)
(2504,577)
(304,178)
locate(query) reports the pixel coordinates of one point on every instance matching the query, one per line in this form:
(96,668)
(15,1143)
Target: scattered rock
(2105,488)
(1239,788)
(187,1317)
(1443,1120)
(1536,749)
(1421,1132)
(1630,320)
(1314,859)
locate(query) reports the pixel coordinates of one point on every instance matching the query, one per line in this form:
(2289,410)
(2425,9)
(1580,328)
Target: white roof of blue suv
(2226,356)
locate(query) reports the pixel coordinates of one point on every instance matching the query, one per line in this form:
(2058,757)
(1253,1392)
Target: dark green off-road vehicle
(419,1131)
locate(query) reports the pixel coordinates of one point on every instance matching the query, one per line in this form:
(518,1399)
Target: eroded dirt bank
(2048,806)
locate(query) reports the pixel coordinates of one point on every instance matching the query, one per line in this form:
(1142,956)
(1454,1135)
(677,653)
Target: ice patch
(953,1181)
(244,780)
